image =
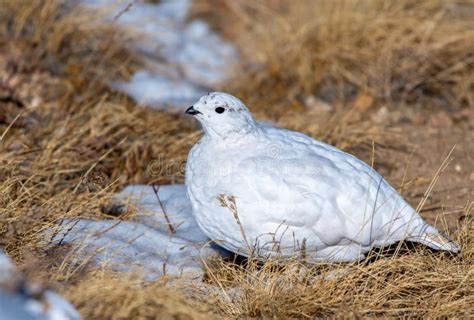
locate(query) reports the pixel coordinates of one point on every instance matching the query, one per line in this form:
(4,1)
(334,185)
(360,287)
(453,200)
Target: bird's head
(222,115)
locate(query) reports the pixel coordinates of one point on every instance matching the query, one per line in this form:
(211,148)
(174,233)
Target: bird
(262,191)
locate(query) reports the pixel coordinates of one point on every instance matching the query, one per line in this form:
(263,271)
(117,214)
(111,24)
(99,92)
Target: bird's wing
(303,183)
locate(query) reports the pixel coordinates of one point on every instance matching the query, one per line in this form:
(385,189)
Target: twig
(435,179)
(229,202)
(168,222)
(9,126)
(127,8)
(432,207)
(402,185)
(67,231)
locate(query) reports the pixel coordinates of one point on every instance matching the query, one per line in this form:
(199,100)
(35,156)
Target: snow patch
(162,239)
(186,59)
(17,302)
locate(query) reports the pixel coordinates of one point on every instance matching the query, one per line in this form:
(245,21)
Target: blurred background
(92,94)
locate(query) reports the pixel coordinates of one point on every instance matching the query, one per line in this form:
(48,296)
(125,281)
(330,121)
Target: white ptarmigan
(266,191)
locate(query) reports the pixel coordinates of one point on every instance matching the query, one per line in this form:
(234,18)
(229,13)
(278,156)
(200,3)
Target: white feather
(289,189)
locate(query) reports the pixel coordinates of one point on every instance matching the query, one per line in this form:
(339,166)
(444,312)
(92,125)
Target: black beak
(192,111)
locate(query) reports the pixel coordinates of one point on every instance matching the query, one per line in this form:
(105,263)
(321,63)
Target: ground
(391,83)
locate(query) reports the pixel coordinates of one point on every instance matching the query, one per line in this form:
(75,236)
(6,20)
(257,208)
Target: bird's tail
(431,237)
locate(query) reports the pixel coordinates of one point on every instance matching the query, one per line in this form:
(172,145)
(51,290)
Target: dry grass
(57,38)
(398,52)
(108,296)
(69,142)
(419,284)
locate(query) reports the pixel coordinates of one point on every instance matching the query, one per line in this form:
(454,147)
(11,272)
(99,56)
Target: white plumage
(257,189)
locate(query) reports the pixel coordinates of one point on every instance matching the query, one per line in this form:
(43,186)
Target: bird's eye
(220,109)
